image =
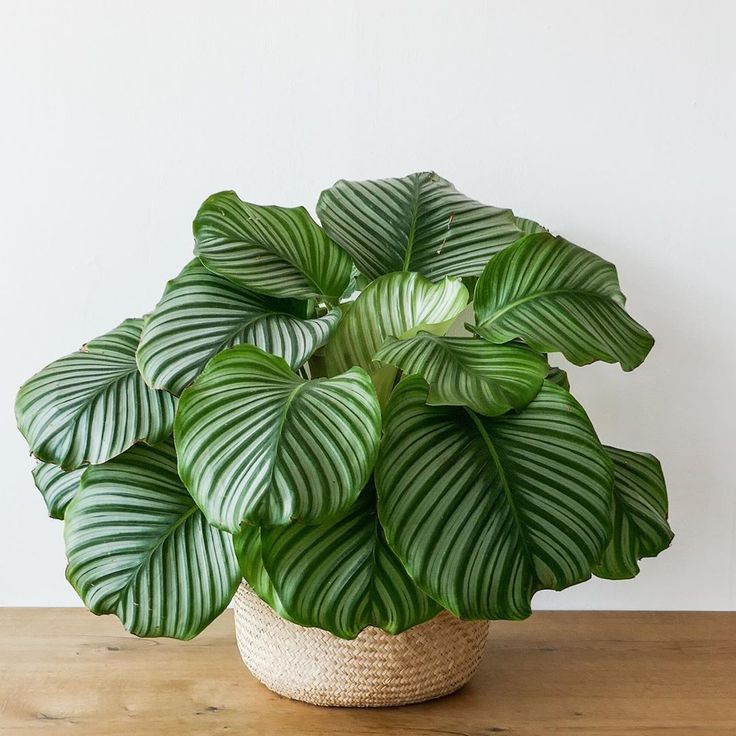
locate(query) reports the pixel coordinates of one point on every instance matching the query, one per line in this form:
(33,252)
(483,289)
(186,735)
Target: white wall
(611,122)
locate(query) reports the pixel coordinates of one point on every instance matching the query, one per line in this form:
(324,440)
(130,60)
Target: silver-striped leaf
(397,305)
(558,297)
(92,405)
(640,527)
(466,371)
(485,511)
(200,314)
(341,575)
(416,223)
(259,444)
(559,377)
(58,487)
(274,250)
(248,550)
(530,226)
(139,547)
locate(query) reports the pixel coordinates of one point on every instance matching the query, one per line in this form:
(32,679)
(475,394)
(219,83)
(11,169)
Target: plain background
(610,122)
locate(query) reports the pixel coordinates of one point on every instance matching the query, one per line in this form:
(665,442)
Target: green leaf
(259,444)
(465,371)
(559,377)
(357,283)
(201,314)
(248,550)
(92,405)
(640,527)
(484,512)
(530,226)
(470,282)
(418,223)
(57,486)
(558,297)
(342,576)
(274,250)
(397,305)
(138,547)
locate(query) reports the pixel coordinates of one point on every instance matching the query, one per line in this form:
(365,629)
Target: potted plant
(293,413)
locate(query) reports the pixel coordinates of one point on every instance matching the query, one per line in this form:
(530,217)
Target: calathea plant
(293,412)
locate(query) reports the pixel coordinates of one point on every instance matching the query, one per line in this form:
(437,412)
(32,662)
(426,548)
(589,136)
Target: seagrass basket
(375,669)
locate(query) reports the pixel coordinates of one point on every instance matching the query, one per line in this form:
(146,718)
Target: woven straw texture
(374,669)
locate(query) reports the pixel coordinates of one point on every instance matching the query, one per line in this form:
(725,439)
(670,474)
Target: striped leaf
(201,314)
(342,576)
(92,405)
(530,226)
(418,223)
(248,550)
(259,444)
(484,512)
(398,305)
(465,371)
(58,487)
(140,548)
(559,377)
(640,527)
(558,297)
(274,250)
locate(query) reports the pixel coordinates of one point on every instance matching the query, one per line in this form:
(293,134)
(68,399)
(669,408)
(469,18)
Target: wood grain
(588,674)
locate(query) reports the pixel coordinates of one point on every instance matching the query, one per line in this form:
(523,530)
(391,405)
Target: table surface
(583,673)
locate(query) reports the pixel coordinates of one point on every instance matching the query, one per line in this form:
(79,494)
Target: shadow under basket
(374,669)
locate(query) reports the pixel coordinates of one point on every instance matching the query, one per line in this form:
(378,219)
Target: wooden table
(589,674)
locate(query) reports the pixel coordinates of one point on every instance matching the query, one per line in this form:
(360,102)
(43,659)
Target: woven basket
(374,669)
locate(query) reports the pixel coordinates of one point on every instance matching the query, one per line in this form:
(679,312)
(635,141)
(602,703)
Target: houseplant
(292,412)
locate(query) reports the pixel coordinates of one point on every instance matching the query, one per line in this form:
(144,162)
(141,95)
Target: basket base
(375,669)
